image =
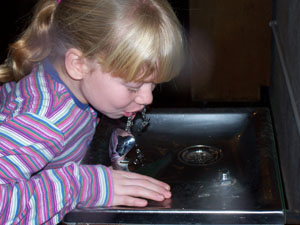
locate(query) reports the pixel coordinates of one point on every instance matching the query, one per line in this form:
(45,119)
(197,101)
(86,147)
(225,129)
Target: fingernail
(168,195)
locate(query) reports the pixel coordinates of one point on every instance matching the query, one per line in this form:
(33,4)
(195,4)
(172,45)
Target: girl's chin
(118,116)
(113,116)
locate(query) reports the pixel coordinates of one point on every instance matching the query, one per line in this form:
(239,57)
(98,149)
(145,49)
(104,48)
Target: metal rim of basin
(200,155)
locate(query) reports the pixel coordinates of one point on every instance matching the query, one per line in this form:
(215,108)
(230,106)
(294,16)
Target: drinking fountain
(221,164)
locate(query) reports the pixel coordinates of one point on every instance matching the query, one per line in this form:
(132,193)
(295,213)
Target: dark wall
(176,93)
(288,138)
(14,15)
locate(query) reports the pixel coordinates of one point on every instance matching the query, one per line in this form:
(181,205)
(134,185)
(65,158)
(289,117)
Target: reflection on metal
(200,155)
(123,141)
(225,178)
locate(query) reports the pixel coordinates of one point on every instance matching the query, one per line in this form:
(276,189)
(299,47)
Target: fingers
(141,177)
(131,175)
(142,192)
(130,187)
(129,201)
(140,185)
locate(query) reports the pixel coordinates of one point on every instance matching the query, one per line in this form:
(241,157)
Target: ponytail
(33,45)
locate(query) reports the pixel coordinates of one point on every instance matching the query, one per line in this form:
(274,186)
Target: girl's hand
(131,189)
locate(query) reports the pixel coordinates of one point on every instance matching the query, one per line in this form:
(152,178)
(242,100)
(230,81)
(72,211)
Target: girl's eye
(132,89)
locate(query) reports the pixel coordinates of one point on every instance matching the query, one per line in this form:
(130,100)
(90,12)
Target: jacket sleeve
(31,195)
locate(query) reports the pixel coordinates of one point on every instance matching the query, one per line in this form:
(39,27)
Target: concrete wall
(288,18)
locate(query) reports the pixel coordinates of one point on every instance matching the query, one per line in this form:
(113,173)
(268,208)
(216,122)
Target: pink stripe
(111,190)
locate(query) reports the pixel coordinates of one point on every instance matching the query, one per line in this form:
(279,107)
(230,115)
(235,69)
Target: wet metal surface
(220,163)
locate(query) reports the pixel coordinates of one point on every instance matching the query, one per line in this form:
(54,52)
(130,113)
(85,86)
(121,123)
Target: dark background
(14,17)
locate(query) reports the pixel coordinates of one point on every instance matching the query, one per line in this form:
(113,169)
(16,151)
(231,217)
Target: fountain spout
(122,142)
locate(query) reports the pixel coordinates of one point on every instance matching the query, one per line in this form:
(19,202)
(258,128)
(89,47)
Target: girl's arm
(31,195)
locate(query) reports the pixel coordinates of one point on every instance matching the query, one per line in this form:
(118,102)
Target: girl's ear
(76,65)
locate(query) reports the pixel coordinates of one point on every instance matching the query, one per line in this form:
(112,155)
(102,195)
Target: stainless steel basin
(221,165)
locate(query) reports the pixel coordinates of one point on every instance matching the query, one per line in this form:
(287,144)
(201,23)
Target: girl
(76,58)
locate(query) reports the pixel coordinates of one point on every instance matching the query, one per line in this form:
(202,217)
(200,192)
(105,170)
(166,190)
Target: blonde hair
(130,38)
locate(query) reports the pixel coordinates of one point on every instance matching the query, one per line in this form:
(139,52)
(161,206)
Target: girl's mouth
(128,114)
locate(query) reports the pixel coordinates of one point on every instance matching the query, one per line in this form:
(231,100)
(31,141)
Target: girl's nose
(144,96)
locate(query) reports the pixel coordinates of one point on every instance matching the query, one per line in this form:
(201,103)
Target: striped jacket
(44,134)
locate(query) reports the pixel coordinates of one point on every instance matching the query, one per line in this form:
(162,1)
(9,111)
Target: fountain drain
(200,155)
